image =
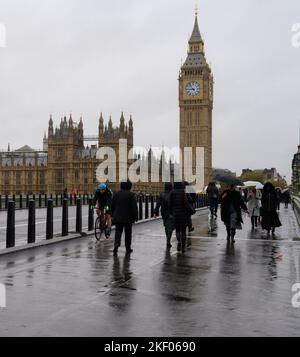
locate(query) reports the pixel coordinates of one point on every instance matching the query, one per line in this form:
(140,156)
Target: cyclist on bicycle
(102,202)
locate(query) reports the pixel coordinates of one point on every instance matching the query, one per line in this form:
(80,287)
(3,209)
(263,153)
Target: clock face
(193,89)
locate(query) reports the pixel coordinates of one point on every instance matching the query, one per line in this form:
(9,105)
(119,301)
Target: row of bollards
(31,231)
(41,201)
(145,203)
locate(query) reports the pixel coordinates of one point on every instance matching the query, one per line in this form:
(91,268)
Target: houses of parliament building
(66,162)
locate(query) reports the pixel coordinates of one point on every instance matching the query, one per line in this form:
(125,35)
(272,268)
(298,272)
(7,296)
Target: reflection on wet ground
(215,289)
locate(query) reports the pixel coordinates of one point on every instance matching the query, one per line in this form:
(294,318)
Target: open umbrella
(256,184)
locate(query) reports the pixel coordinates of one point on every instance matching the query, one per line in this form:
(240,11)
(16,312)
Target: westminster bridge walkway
(77,288)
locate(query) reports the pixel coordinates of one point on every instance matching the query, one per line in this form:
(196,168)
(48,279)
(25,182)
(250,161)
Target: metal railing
(22,201)
(146,209)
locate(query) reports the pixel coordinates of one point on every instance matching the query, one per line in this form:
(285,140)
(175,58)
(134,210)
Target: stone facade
(66,163)
(296,173)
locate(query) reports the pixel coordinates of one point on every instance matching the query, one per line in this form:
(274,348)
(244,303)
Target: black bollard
(146,207)
(40,200)
(31,222)
(65,219)
(56,200)
(152,206)
(61,200)
(14,198)
(71,200)
(140,208)
(33,197)
(6,202)
(91,215)
(45,200)
(27,201)
(21,202)
(78,216)
(10,231)
(49,222)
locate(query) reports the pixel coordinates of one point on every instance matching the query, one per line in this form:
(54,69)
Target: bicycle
(101,226)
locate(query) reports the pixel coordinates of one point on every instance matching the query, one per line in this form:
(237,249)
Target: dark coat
(235,198)
(212,192)
(163,205)
(269,201)
(179,207)
(124,208)
(269,214)
(103,199)
(286,197)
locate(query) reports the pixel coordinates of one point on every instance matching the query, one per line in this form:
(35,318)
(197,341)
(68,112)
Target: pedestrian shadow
(230,248)
(121,273)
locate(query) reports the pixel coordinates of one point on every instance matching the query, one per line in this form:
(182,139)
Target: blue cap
(102,187)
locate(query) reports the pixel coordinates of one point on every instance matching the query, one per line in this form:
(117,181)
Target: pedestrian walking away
(286,198)
(279,197)
(254,205)
(181,211)
(231,211)
(192,198)
(213,197)
(125,213)
(163,206)
(270,220)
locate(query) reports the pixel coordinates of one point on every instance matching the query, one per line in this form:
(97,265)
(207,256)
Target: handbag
(189,207)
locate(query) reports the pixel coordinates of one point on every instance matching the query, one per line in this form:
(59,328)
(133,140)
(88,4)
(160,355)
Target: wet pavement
(78,288)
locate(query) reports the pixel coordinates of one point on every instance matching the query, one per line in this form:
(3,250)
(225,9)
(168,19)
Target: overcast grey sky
(88,56)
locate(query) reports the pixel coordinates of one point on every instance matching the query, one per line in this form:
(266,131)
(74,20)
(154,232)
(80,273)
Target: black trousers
(254,221)
(230,231)
(128,235)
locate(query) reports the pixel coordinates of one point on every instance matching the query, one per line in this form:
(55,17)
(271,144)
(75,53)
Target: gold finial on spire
(196,10)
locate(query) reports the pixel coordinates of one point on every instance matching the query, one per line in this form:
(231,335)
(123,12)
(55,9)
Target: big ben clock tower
(196,103)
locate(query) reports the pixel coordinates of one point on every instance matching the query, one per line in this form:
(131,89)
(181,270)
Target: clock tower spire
(196,102)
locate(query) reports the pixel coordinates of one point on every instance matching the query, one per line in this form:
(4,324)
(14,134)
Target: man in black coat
(125,213)
(163,205)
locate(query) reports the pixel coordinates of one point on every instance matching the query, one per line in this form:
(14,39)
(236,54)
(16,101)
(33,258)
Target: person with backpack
(181,210)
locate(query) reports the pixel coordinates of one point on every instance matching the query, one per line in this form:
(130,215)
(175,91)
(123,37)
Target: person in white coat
(254,204)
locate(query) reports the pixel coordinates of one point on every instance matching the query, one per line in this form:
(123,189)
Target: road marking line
(216,239)
(43,222)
